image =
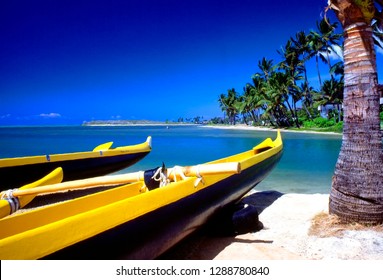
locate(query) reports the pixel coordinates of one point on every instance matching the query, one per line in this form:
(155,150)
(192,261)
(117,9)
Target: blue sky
(65,62)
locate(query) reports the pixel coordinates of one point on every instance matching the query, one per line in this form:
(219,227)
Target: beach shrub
(323,124)
(319,123)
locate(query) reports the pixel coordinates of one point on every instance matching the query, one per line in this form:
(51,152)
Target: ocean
(307,164)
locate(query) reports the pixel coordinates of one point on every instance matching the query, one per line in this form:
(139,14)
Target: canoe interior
(73,169)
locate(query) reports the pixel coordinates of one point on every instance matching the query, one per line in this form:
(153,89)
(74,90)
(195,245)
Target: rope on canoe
(163,178)
(199,176)
(14,202)
(159,176)
(177,170)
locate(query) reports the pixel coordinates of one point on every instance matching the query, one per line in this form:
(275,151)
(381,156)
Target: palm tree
(259,97)
(267,68)
(332,93)
(229,104)
(357,185)
(322,43)
(304,91)
(301,44)
(278,94)
(249,102)
(222,104)
(316,47)
(329,38)
(293,67)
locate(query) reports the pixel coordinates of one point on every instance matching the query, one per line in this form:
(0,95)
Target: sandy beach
(287,220)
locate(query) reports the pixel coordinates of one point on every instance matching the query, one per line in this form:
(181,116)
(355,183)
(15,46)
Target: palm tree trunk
(307,111)
(295,119)
(253,116)
(357,185)
(329,63)
(339,112)
(317,65)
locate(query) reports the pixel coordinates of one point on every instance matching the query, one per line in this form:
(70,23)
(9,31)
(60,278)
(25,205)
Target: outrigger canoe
(136,215)
(102,160)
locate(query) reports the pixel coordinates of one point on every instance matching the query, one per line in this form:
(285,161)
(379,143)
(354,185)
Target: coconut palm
(267,67)
(302,45)
(293,68)
(322,43)
(328,37)
(229,104)
(259,98)
(316,47)
(277,93)
(332,94)
(357,185)
(250,107)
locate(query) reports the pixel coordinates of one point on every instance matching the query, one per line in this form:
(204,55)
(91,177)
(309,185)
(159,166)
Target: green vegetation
(281,95)
(322,124)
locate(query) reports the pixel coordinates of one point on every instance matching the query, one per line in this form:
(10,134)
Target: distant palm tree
(357,185)
(293,67)
(330,39)
(259,98)
(302,45)
(338,69)
(229,104)
(322,43)
(267,67)
(277,93)
(250,102)
(332,93)
(306,92)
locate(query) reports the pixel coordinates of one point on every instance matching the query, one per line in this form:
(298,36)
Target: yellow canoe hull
(131,222)
(100,161)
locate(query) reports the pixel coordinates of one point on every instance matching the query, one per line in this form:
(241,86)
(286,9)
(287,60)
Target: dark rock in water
(236,219)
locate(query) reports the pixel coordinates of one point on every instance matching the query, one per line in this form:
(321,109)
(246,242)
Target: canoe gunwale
(75,165)
(123,150)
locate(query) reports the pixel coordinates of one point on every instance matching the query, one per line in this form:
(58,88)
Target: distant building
(326,109)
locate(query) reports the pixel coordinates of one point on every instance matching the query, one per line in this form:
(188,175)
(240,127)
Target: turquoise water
(306,166)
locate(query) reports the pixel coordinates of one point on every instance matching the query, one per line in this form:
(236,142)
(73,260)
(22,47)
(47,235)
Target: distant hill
(128,122)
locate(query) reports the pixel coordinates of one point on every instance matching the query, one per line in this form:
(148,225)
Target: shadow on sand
(205,244)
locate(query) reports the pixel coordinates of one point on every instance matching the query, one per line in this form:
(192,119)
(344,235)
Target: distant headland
(130,123)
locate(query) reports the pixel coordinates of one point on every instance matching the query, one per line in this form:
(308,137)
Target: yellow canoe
(15,172)
(135,220)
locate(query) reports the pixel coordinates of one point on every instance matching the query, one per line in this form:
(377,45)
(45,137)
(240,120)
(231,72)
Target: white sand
(286,220)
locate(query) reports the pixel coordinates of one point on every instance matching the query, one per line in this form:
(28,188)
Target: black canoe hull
(16,176)
(150,235)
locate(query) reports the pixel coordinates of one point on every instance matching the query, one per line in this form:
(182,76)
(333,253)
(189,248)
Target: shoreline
(133,123)
(217,126)
(260,128)
(140,124)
